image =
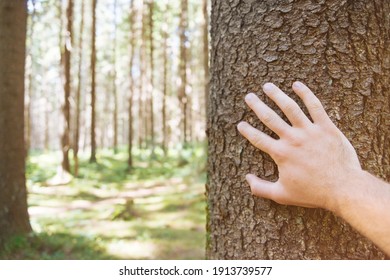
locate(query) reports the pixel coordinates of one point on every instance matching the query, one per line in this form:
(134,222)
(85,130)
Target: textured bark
(93,84)
(65,57)
(13,194)
(340,49)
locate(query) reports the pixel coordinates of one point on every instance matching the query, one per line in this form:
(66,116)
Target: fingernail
(250,97)
(268,86)
(298,84)
(240,125)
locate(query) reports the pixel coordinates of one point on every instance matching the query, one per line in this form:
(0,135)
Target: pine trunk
(132,86)
(78,96)
(114,77)
(182,94)
(165,82)
(151,82)
(13,194)
(341,50)
(206,58)
(66,53)
(93,84)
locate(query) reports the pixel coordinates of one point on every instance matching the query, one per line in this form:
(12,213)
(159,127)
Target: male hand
(315,160)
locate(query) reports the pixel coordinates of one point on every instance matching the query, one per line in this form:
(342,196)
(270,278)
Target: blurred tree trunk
(30,87)
(206,67)
(165,80)
(132,86)
(341,50)
(151,82)
(182,94)
(142,124)
(78,95)
(13,194)
(93,84)
(114,77)
(66,59)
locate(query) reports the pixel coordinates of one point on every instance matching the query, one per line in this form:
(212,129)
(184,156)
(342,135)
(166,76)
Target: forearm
(364,203)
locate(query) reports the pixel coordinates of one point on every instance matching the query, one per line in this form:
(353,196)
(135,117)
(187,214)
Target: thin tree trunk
(78,95)
(340,49)
(66,54)
(142,116)
(132,87)
(13,194)
(206,68)
(30,81)
(165,80)
(182,95)
(93,84)
(46,140)
(114,89)
(151,89)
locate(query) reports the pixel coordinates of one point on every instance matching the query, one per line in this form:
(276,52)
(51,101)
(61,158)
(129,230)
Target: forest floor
(156,211)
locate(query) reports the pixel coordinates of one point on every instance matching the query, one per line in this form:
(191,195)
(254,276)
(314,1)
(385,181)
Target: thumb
(261,187)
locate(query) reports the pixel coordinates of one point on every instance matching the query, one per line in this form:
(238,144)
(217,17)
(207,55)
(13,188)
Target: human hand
(314,159)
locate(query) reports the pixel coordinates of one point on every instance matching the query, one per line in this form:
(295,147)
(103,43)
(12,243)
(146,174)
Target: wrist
(346,191)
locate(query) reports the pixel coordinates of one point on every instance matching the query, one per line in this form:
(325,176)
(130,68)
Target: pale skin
(318,167)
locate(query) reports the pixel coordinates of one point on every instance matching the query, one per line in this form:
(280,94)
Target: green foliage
(156,210)
(57,246)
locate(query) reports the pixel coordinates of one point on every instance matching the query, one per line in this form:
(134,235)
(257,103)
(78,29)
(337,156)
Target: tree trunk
(13,194)
(151,82)
(132,87)
(30,79)
(78,96)
(142,124)
(93,84)
(340,49)
(165,81)
(206,58)
(66,56)
(114,89)
(182,94)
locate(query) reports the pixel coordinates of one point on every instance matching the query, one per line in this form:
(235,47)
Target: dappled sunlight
(124,249)
(152,217)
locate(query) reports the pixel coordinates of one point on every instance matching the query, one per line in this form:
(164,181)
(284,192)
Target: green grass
(155,211)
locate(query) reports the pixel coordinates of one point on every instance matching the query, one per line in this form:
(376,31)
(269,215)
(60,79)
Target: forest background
(115,130)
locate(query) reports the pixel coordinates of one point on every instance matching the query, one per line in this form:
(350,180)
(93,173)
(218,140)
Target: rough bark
(340,49)
(93,84)
(13,194)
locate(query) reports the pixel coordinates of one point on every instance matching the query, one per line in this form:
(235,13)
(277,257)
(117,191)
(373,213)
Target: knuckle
(267,118)
(278,154)
(315,106)
(257,141)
